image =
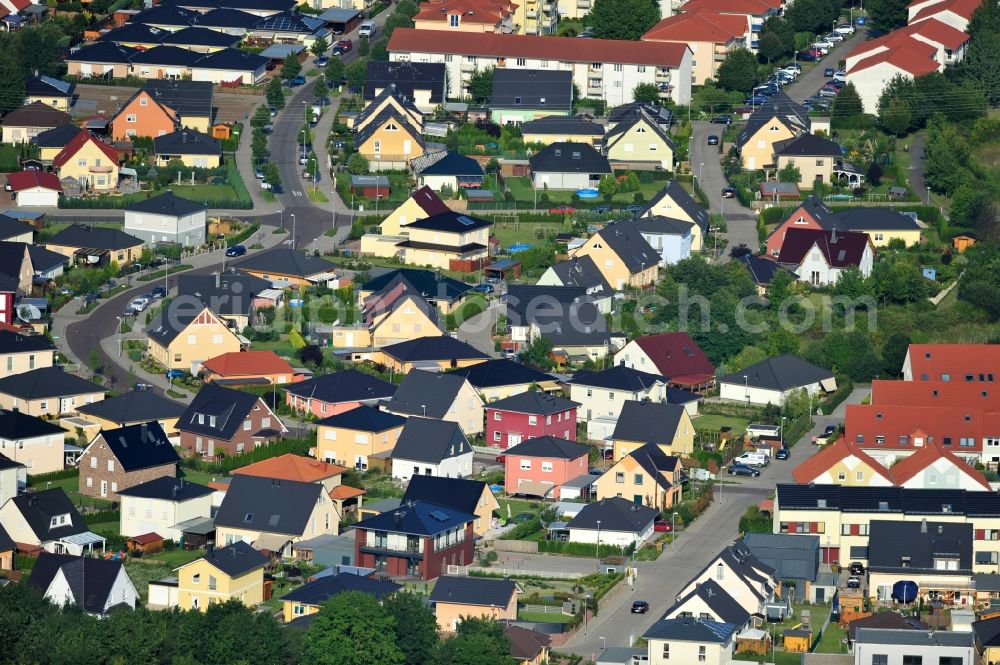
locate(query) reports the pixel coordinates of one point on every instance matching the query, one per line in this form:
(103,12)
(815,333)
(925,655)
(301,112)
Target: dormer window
(59,520)
(211,421)
(248,518)
(720,571)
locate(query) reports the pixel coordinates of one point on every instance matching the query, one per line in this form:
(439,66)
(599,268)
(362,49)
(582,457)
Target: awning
(829,385)
(323,277)
(82,539)
(201,526)
(905,591)
(271,542)
(534,488)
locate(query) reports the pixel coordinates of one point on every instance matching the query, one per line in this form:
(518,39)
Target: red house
(812,214)
(418,539)
(529,415)
(539,467)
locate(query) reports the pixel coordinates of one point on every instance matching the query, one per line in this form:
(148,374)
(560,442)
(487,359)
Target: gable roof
(235,560)
(57,137)
(407,78)
(230,293)
(812,467)
(386,114)
(76,144)
(17,342)
(164,15)
(103,52)
(648,422)
(429,440)
(348,385)
(792,556)
(625,240)
(46,382)
(166,203)
(779,106)
(700,26)
(459,493)
(532,89)
(21,180)
(166,488)
(139,446)
(839,248)
(35,114)
(618,377)
(7,543)
(429,284)
(48,86)
(870,219)
(557,125)
(420,518)
(376,109)
(582,272)
(248,363)
(319,591)
(896,621)
(660,225)
(810,145)
(676,356)
(231,59)
(291,467)
(566,157)
(450,222)
(614,514)
(533,402)
(925,456)
(526,644)
(286,261)
(662,114)
(783,372)
(230,408)
(96,237)
(932,361)
(909,55)
(134,33)
(364,418)
(90,579)
(16,425)
(620,129)
(43,260)
(166,327)
(226,17)
(478,591)
(501,372)
(654,462)
(38,509)
(690,629)
(268,505)
(133,406)
(186,142)
(198,36)
(718,600)
(920,542)
(889,500)
(762,270)
(453,163)
(174,56)
(549,447)
(437,347)
(683,200)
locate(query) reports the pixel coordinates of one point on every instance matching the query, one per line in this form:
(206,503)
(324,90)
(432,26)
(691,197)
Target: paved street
(811,81)
(478,330)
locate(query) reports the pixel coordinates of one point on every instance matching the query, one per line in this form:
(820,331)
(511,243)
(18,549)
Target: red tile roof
(566,49)
(27,179)
(698,26)
(77,142)
(471,11)
(342,492)
(913,56)
(677,356)
(882,426)
(839,248)
(932,30)
(248,363)
(292,467)
(936,393)
(146,538)
(939,32)
(812,468)
(743,7)
(963,8)
(923,457)
(429,201)
(20,5)
(930,362)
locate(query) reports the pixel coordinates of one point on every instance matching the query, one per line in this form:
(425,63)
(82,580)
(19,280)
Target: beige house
(443,351)
(777,121)
(421,204)
(710,35)
(439,396)
(235,572)
(17,253)
(449,240)
(183,340)
(690,640)
(669,426)
(409,317)
(389,103)
(604,394)
(21,353)
(647,476)
(32,442)
(47,391)
(674,202)
(622,255)
(160,506)
(814,156)
(351,437)
(639,140)
(90,161)
(455,598)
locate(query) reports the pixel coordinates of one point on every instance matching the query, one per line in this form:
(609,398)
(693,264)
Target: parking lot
(107,99)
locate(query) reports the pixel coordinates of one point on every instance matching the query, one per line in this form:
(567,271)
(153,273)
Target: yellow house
(189,147)
(780,119)
(184,339)
(449,240)
(441,291)
(442,350)
(422,203)
(408,318)
(235,572)
(639,139)
(814,156)
(134,408)
(309,598)
(622,255)
(439,396)
(674,202)
(349,438)
(646,476)
(454,598)
(560,129)
(47,391)
(668,426)
(48,90)
(388,141)
(91,162)
(102,245)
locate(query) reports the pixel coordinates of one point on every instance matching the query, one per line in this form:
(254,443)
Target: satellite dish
(28,313)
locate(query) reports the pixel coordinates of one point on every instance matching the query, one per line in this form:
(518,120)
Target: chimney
(833,236)
(142,432)
(923,526)
(184,137)
(209,548)
(218,280)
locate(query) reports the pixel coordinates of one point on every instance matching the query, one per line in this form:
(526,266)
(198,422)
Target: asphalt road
(812,80)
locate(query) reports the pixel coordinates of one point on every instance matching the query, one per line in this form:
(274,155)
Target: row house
(708,36)
(968,363)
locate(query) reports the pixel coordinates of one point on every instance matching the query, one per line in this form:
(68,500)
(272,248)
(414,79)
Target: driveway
(477,331)
(811,81)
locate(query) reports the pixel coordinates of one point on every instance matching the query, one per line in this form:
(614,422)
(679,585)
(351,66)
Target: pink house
(330,394)
(527,415)
(539,467)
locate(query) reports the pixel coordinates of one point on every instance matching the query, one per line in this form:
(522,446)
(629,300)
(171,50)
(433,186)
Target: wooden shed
(797,640)
(147,543)
(221,131)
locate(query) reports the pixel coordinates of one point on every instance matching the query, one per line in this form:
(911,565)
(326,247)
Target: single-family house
(539,466)
(388,139)
(250,368)
(843,463)
(638,140)
(96,245)
(424,83)
(162,505)
(622,255)
(670,238)
(795,559)
(568,316)
(473,497)
(455,598)
(448,171)
(163,62)
(911,646)
(48,520)
(121,458)
(167,218)
(434,353)
(690,639)
(674,202)
(222,420)
(667,425)
(230,295)
(778,119)
(771,381)
(90,161)
(820,257)
(647,476)
(352,436)
(440,396)
(31,444)
(21,353)
(290,267)
(762,271)
(47,265)
(35,189)
(749,581)
(49,90)
(133,408)
(309,598)
(580,272)
(51,141)
(183,338)
(25,123)
(615,521)
(527,646)
(443,292)
(100,59)
(561,129)
(234,572)
(329,394)
(299,468)
(672,355)
(814,156)
(433,448)
(568,166)
(13,480)
(16,277)
(709,600)
(96,586)
(501,378)
(520,95)
(604,393)
(528,415)
(447,240)
(398,313)
(230,65)
(47,391)
(390,102)
(162,106)
(198,39)
(188,147)
(13,229)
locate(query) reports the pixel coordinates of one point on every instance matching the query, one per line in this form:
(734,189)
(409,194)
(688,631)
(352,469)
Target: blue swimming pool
(519,247)
(587,193)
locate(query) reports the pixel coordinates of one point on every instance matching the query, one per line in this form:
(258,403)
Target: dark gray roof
(532,89)
(501,372)
(259,5)
(43,260)
(450,222)
(167,325)
(290,21)
(534,402)
(407,78)
(103,53)
(627,242)
(167,203)
(57,137)
(618,377)
(550,447)
(793,556)
(615,514)
(458,493)
(808,145)
(8,463)
(661,225)
(455,164)
(718,600)
(904,546)
(254,503)
(622,127)
(349,385)
(236,559)
(528,303)
(164,15)
(871,219)
(473,591)
(648,422)
(783,372)
(686,202)
(49,87)
(364,419)
(781,106)
(663,115)
(94,237)
(134,33)
(140,446)
(38,509)
(916,638)
(167,489)
(762,270)
(582,272)
(420,518)
(430,284)
(15,342)
(7,543)
(889,620)
(186,142)
(226,294)
(429,440)
(319,591)
(889,500)
(46,382)
(229,408)
(166,55)
(564,157)
(387,113)
(987,631)
(198,36)
(438,347)
(282,261)
(373,108)
(654,461)
(225,17)
(231,59)
(562,126)
(90,579)
(745,565)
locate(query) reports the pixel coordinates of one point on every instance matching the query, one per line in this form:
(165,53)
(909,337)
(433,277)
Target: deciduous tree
(319,47)
(646,92)
(738,71)
(290,68)
(480,85)
(352,629)
(623,19)
(887,15)
(416,627)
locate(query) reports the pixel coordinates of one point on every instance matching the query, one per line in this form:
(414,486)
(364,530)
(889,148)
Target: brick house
(121,458)
(529,415)
(539,466)
(419,539)
(222,420)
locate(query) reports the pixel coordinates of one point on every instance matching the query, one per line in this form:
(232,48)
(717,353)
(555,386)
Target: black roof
(232,59)
(615,514)
(164,15)
(450,222)
(783,372)
(808,145)
(364,418)
(430,284)
(90,579)
(430,440)
(134,33)
(187,142)
(38,509)
(987,631)
(870,219)
(618,377)
(581,271)
(289,21)
(623,126)
(426,394)
(236,559)
(43,259)
(453,163)
(254,503)
(167,489)
(57,137)
(188,98)
(94,237)
(286,261)
(780,105)
(663,225)
(46,382)
(438,347)
(319,591)
(745,565)
(15,342)
(562,126)
(7,543)
(648,422)
(654,462)
(690,629)
(565,157)
(198,36)
(387,113)
(564,314)
(165,328)
(225,17)
(895,546)
(104,53)
(8,463)
(762,270)
(532,89)
(549,446)
(662,115)
(12,256)
(140,446)
(228,293)
(406,77)
(473,591)
(685,201)
(793,556)
(420,518)
(888,500)
(48,86)
(627,242)
(167,203)
(526,302)
(535,402)
(349,385)
(229,407)
(458,493)
(166,55)
(718,600)
(375,110)
(501,372)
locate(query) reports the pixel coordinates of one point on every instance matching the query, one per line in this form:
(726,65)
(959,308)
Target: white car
(821,44)
(845,29)
(833,37)
(139,304)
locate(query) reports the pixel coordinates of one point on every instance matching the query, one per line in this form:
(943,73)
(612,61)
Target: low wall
(520,546)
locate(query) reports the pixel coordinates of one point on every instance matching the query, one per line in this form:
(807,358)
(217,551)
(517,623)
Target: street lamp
(120,339)
(781,432)
(597,551)
(603,643)
(928,194)
(673,532)
(700,168)
(746,388)
(293,230)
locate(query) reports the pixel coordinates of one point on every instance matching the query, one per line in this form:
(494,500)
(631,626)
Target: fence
(60,218)
(520,546)
(544,609)
(512,572)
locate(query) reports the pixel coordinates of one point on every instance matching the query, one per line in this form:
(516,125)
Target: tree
(12,87)
(407,8)
(480,85)
(477,641)
(894,352)
(416,627)
(770,46)
(357,164)
(738,71)
(790,173)
(608,185)
(780,288)
(319,47)
(320,90)
(623,19)
(311,354)
(847,104)
(380,50)
(646,92)
(271,175)
(335,71)
(874,174)
(887,15)
(364,48)
(966,205)
(536,354)
(275,95)
(980,63)
(356,74)
(352,629)
(895,116)
(750,355)
(780,28)
(261,118)
(290,68)
(812,15)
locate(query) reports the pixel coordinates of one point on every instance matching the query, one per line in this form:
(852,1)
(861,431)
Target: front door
(104,488)
(820,595)
(513,439)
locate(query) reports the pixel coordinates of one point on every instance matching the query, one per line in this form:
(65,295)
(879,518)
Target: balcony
(594,85)
(595,72)
(531,13)
(663,75)
(468,66)
(549,7)
(583,4)
(100,169)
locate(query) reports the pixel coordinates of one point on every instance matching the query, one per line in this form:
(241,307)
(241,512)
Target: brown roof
(471,11)
(146,538)
(36,114)
(525,644)
(839,248)
(345,492)
(676,356)
(291,467)
(248,363)
(821,462)
(935,393)
(77,143)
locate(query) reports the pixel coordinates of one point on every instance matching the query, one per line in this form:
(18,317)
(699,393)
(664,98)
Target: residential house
(762,271)
(270,513)
(13,480)
(443,292)
(390,102)
(936,556)
(820,257)
(771,381)
(49,90)
(778,119)
(448,240)
(167,218)
(672,355)
(814,156)
(448,171)
(163,62)
(561,129)
(580,272)
(670,238)
(47,265)
(795,560)
(100,59)
(188,147)
(289,267)
(33,444)
(232,296)
(947,362)
(25,123)
(433,448)
(501,378)
(568,166)
(96,245)
(568,316)
(710,601)
(183,339)
(604,393)
(956,13)
(457,598)
(398,313)
(668,426)
(423,202)
(418,540)
(489,16)
(843,463)
(911,646)
(387,139)
(426,84)
(51,141)
(539,466)
(138,36)
(167,17)
(749,581)
(527,646)
(90,161)
(433,353)
(674,202)
(309,598)
(440,396)
(7,549)
(34,189)
(47,391)
(689,639)
(163,506)
(124,457)
(709,35)
(639,141)
(227,421)
(228,20)
(615,521)
(987,632)
(96,586)
(893,620)
(330,394)
(48,520)
(528,415)
(606,69)
(16,277)
(351,437)
(232,66)
(133,408)
(250,368)
(520,95)
(647,476)
(473,497)
(622,255)
(198,39)
(21,353)
(12,229)
(234,572)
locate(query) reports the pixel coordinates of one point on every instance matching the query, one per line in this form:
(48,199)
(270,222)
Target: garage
(34,189)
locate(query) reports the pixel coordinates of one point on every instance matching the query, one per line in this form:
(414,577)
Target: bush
(523,530)
(580,549)
(296,340)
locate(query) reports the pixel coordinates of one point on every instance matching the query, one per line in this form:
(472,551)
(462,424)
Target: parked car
(322,61)
(236,250)
(753,458)
(342,47)
(828,92)
(274,111)
(144,386)
(158,292)
(845,29)
(743,470)
(756,100)
(828,72)
(175,373)
(729,192)
(484,288)
(809,56)
(501,458)
(603,209)
(298,80)
(562,210)
(829,431)
(712,139)
(823,44)
(856,568)
(782,453)
(633,209)
(834,37)
(640,607)
(368,29)
(608,453)
(722,120)
(663,526)
(139,304)
(853,582)
(521,518)
(793,68)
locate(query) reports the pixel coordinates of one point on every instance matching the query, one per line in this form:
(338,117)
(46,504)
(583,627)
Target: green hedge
(243,235)
(42,478)
(523,530)
(580,549)
(831,402)
(227,464)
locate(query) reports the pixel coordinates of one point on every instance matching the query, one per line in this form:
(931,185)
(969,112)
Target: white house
(819,256)
(747,580)
(428,447)
(13,478)
(690,640)
(771,381)
(671,238)
(34,189)
(603,394)
(167,218)
(94,585)
(889,646)
(158,506)
(614,521)
(48,519)
(229,65)
(709,600)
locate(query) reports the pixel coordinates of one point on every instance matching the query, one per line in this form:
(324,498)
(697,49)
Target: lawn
(142,572)
(199,477)
(511,507)
(832,640)
(710,422)
(176,557)
(780,658)
(549,617)
(71,486)
(513,232)
(522,190)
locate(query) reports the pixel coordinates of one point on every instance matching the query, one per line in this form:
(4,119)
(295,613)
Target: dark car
(853,582)
(856,568)
(828,72)
(640,607)
(158,292)
(829,431)
(756,100)
(298,80)
(484,288)
(808,56)
(322,61)
(562,210)
(712,139)
(663,526)
(601,209)
(608,453)
(722,120)
(175,373)
(236,250)
(782,453)
(729,192)
(743,470)
(521,518)
(633,209)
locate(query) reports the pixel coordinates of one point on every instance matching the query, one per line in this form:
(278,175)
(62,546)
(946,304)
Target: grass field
(511,233)
(711,422)
(549,617)
(523,191)
(71,486)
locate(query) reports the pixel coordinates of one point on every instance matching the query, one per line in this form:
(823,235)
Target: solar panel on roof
(465,220)
(439,515)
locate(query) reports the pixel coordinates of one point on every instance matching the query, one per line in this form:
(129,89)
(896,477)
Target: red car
(501,458)
(662,526)
(562,210)
(341,47)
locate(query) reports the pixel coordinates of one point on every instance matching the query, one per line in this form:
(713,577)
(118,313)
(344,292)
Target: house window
(496,416)
(590,393)
(211,583)
(496,436)
(114,487)
(111,465)
(620,477)
(130,117)
(448,58)
(143,102)
(638,479)
(453,20)
(525,464)
(547,467)
(913,660)
(196,578)
(299,610)
(93,462)
(532,420)
(666,651)
(720,572)
(10,363)
(31,361)
(90,483)
(265,423)
(701,653)
(841,476)
(246,425)
(521,62)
